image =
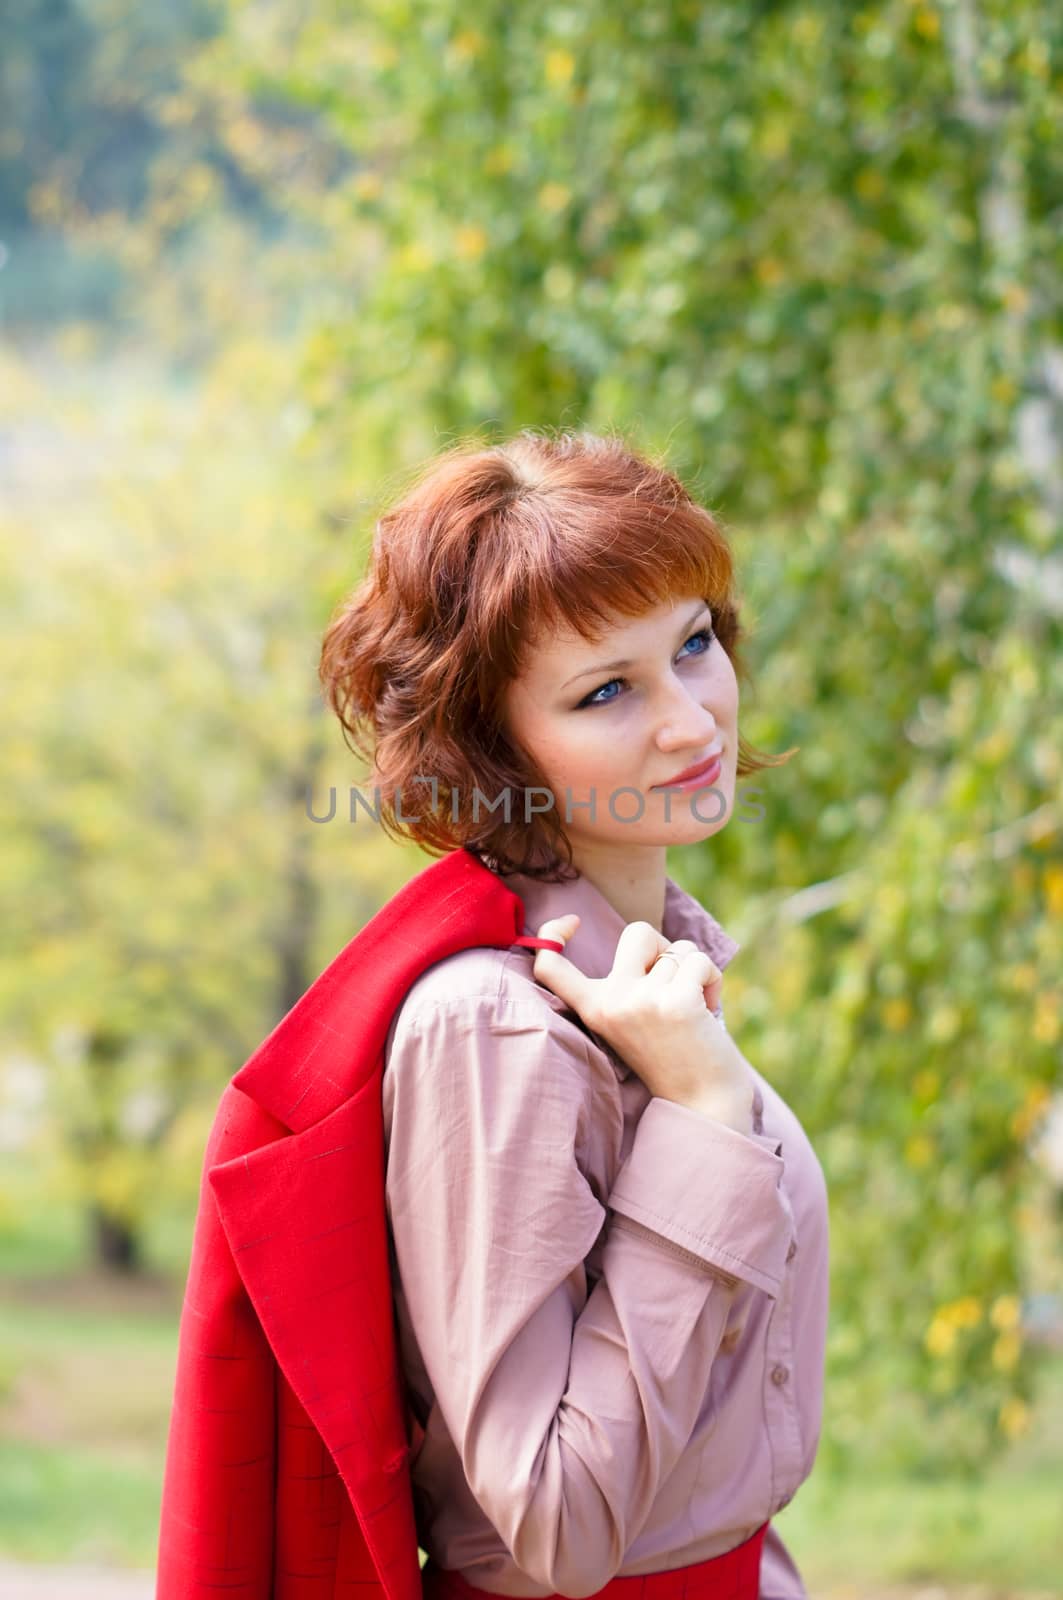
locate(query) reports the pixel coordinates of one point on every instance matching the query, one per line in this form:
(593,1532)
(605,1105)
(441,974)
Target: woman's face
(595,728)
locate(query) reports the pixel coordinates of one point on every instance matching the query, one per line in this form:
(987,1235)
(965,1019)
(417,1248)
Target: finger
(555,971)
(700,971)
(664,971)
(637,949)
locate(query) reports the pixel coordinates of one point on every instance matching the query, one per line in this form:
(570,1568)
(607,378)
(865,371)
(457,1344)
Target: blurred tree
(159,873)
(813,251)
(94,123)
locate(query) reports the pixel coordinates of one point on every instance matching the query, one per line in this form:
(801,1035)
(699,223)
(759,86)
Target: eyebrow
(610,666)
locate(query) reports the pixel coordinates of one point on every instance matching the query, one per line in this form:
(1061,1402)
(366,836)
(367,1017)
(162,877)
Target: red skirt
(733,1576)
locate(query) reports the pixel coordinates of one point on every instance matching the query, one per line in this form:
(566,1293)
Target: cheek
(519,720)
(544,738)
(574,751)
(722,687)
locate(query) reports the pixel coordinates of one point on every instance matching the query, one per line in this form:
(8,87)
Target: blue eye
(705,634)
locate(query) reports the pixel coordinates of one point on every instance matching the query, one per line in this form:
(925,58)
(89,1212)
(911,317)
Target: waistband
(735,1575)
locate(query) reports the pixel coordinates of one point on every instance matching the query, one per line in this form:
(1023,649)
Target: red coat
(286,1467)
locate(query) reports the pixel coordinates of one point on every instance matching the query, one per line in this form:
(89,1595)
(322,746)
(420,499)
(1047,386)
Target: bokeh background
(260,258)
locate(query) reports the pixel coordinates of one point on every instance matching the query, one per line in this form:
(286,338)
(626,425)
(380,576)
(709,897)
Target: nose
(685,722)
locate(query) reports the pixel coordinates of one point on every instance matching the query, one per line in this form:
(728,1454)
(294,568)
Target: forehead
(620,635)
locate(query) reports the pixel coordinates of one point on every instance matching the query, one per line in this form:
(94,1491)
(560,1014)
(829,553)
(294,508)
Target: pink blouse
(611,1309)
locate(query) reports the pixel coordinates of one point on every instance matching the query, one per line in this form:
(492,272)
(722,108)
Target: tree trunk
(115,1244)
(295,935)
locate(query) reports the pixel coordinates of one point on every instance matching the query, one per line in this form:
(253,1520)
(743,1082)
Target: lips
(692,772)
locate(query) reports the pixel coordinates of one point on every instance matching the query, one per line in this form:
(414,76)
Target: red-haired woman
(608,1233)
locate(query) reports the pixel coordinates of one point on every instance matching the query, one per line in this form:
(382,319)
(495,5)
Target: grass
(84,1394)
(1006,1531)
(86,1379)
(61,1505)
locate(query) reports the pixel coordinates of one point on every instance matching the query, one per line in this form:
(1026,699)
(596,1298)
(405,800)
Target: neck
(632,878)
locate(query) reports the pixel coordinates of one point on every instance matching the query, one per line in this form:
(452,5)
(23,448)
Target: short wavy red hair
(489,545)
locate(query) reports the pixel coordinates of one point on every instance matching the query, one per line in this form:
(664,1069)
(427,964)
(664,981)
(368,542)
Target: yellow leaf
(554,196)
(966,1312)
(500,159)
(807,28)
(770,270)
(927,23)
(1053,885)
(897,1014)
(995,746)
(1045,1027)
(1024,679)
(415,257)
(1006,1350)
(1034,58)
(919,1150)
(775,137)
(1014,1417)
(890,899)
(470,241)
(940,1337)
(945,1022)
(1005,1311)
(467,44)
(560,66)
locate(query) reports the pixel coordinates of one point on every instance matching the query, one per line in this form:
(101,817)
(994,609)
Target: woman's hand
(655,1014)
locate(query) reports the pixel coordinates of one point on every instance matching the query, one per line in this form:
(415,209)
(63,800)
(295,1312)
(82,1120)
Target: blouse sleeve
(780,1578)
(568,1411)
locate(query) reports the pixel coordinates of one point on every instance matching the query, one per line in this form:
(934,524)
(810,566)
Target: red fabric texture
(286,1473)
(733,1576)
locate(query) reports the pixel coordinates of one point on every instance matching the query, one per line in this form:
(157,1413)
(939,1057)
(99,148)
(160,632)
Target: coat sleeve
(568,1411)
(217,1512)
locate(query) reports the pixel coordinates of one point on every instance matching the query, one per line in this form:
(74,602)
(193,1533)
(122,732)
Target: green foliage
(163,883)
(814,250)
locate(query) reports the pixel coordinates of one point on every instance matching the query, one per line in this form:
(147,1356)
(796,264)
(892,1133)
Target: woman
(608,1233)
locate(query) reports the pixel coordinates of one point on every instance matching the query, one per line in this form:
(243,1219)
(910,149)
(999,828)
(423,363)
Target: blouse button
(779,1374)
(758,1110)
